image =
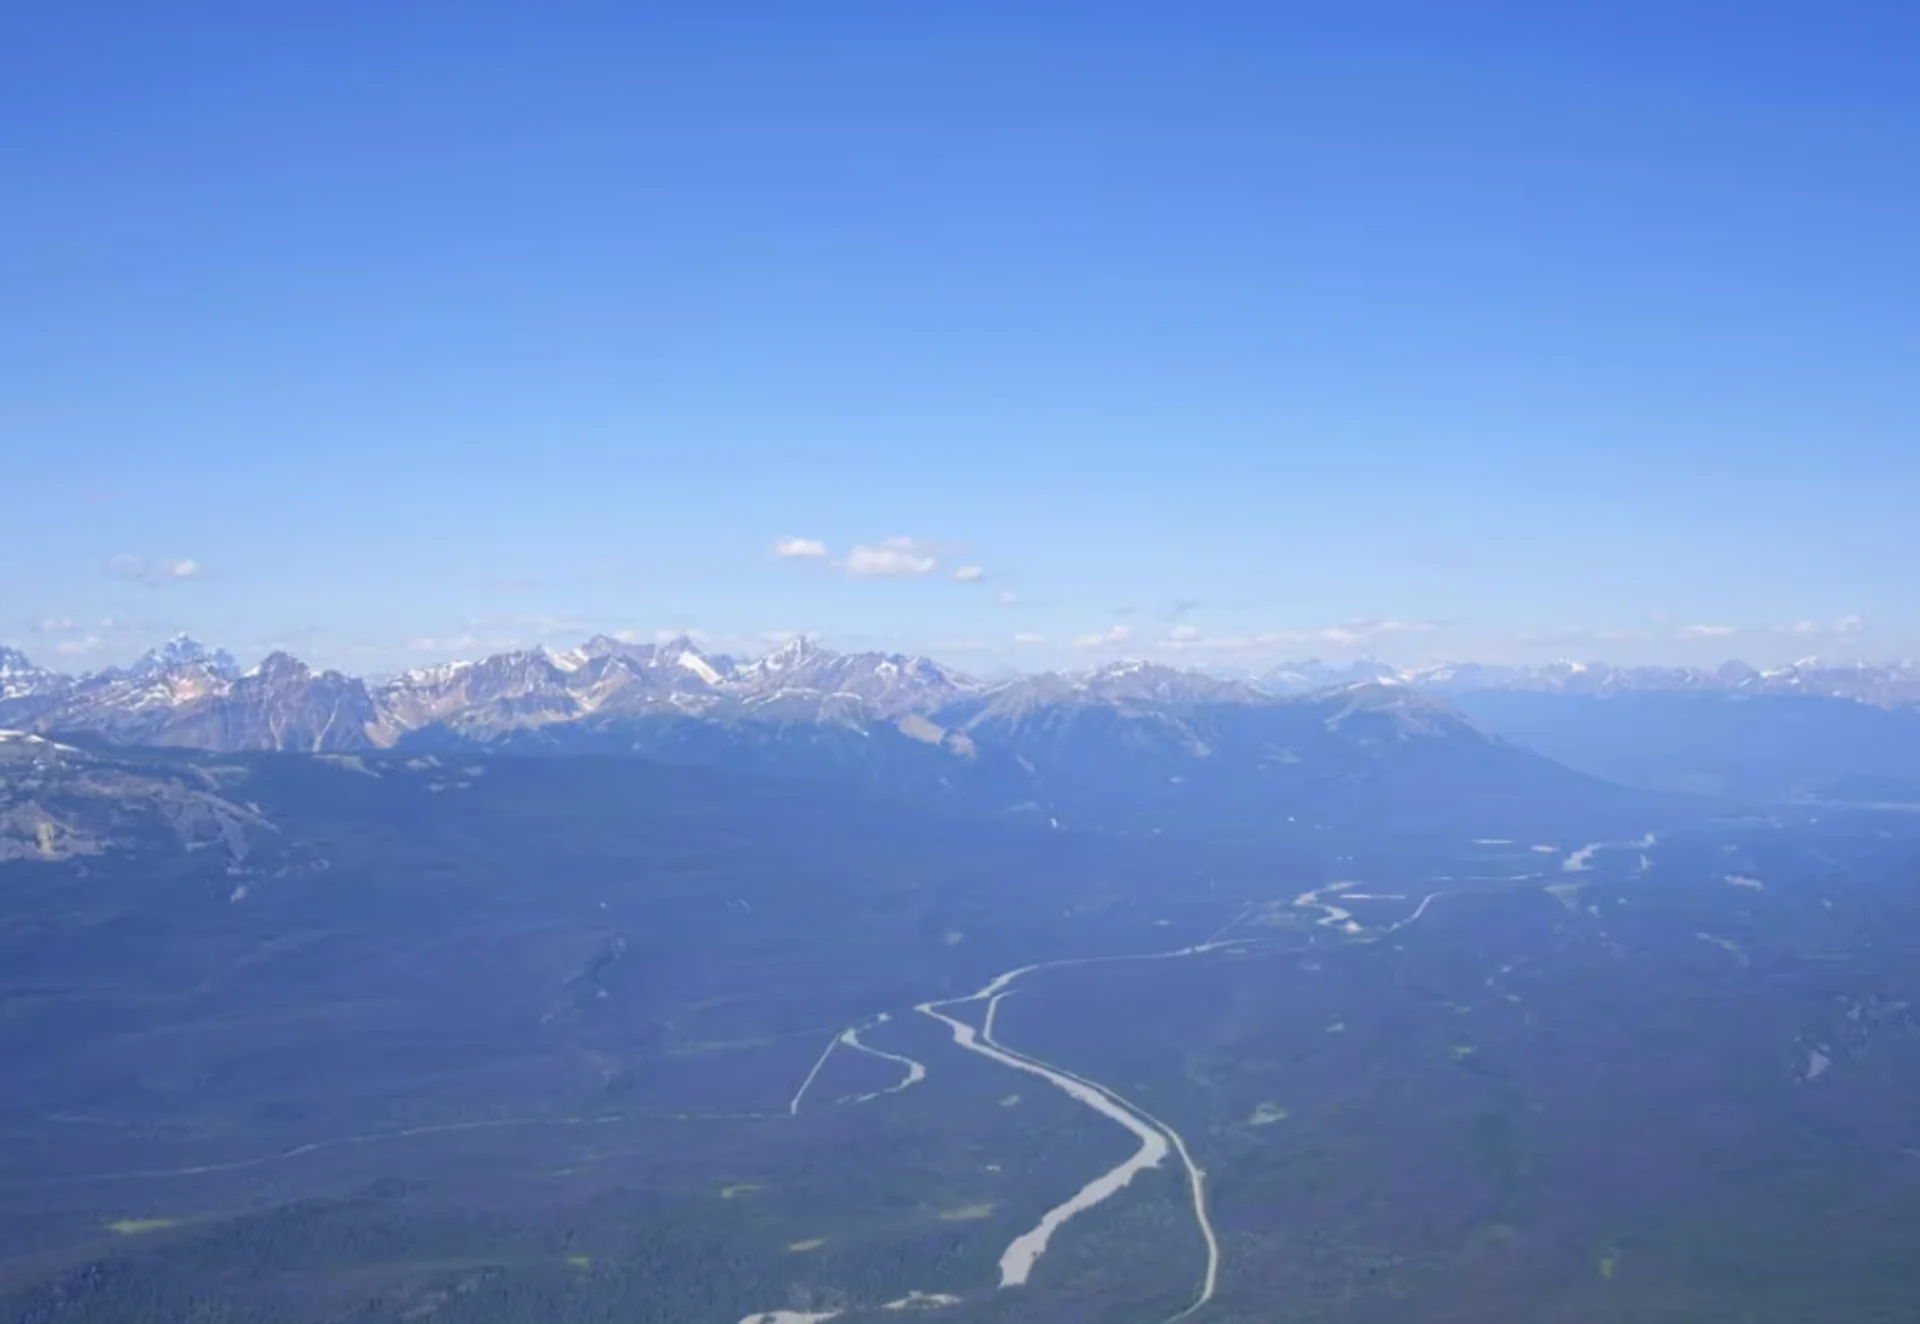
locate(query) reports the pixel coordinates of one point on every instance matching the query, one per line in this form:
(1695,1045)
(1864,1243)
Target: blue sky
(1228,332)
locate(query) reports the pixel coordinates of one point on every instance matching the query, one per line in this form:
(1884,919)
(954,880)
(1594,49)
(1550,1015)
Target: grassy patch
(967,1213)
(133,1227)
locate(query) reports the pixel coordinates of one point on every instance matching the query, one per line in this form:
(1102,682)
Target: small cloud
(1187,637)
(1846,627)
(1708,631)
(1006,597)
(164,571)
(542,624)
(75,647)
(1354,633)
(800,548)
(965,644)
(1565,635)
(1026,639)
(969,574)
(893,558)
(1111,637)
(55,625)
(463,645)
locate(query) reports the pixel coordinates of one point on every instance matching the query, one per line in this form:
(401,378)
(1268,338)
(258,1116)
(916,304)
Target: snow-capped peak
(691,660)
(13,662)
(184,650)
(438,674)
(790,654)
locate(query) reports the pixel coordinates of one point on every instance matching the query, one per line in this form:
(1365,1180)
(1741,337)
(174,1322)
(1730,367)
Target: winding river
(1157,1139)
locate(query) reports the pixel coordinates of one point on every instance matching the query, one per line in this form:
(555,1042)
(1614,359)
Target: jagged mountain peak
(791,655)
(1406,711)
(183,650)
(677,650)
(1138,680)
(277,665)
(604,645)
(438,673)
(24,685)
(675,645)
(16,665)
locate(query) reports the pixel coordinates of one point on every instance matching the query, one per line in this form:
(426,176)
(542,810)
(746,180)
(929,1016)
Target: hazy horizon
(1167,646)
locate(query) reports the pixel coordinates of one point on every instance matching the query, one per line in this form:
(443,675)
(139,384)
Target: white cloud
(968,574)
(542,624)
(1029,639)
(1006,597)
(965,644)
(1352,634)
(75,647)
(895,557)
(163,571)
(1846,627)
(805,548)
(453,644)
(55,625)
(1182,638)
(1111,637)
(1708,631)
(1357,632)
(465,645)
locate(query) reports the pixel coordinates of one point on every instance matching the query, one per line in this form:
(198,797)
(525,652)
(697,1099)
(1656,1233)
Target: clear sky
(1226,331)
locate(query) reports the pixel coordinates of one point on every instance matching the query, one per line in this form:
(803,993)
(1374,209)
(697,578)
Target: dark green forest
(519,1040)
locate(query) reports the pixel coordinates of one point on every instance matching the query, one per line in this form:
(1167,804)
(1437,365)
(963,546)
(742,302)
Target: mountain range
(1133,746)
(184,693)
(1887,684)
(1119,743)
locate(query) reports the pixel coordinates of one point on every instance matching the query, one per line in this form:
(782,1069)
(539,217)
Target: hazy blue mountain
(1709,742)
(1888,684)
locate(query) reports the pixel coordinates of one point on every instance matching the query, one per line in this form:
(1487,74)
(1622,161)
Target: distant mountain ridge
(184,693)
(1888,683)
(1133,745)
